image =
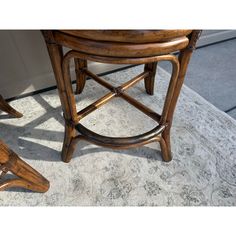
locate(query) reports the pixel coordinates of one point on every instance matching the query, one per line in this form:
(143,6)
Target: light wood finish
(119,47)
(4,106)
(28,177)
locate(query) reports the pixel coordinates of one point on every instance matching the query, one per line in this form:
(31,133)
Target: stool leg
(184,58)
(149,81)
(63,84)
(165,137)
(165,145)
(69,143)
(7,108)
(80,75)
(28,177)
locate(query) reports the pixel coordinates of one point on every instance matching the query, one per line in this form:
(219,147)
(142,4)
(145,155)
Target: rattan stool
(118,47)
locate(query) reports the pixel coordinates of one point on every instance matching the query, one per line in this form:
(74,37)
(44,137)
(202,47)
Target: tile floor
(212,74)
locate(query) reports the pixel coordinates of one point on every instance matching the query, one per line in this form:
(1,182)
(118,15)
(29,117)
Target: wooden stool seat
(146,47)
(126,44)
(128,36)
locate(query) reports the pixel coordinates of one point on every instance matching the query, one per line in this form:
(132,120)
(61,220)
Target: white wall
(25,64)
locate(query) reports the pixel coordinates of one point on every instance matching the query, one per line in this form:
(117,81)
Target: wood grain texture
(117,49)
(128,36)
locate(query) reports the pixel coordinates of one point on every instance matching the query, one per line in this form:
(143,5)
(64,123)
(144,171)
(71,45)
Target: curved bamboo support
(80,66)
(117,53)
(118,142)
(4,106)
(184,58)
(28,177)
(150,80)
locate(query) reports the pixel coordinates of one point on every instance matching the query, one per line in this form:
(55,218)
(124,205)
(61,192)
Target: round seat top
(128,36)
(123,43)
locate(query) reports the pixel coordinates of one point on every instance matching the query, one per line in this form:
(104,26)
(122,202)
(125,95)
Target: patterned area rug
(203,170)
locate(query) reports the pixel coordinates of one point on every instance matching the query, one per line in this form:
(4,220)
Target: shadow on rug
(202,172)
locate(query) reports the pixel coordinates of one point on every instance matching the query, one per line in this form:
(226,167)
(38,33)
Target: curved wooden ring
(116,49)
(128,36)
(118,142)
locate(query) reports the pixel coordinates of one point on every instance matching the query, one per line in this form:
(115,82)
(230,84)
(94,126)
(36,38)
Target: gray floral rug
(203,170)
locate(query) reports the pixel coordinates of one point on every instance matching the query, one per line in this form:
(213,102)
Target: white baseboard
(47,80)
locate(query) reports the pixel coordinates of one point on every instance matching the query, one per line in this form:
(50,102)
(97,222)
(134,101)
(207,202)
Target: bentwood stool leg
(56,55)
(4,106)
(150,80)
(28,177)
(184,58)
(69,143)
(80,66)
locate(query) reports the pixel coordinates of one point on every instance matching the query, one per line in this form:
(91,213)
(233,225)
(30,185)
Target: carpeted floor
(203,170)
